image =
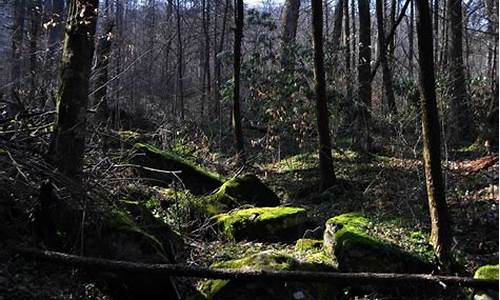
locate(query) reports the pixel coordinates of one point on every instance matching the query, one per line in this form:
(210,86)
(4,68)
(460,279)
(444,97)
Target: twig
(147,169)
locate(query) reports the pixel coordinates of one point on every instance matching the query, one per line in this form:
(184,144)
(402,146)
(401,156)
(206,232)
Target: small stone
(299,295)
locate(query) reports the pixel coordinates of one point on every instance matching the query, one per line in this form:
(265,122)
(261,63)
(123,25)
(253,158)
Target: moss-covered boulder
(348,240)
(197,179)
(126,232)
(263,223)
(486,272)
(242,190)
(268,260)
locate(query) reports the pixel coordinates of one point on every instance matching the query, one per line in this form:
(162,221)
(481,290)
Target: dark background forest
(314,136)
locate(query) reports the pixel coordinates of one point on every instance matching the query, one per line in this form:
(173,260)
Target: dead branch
(379,279)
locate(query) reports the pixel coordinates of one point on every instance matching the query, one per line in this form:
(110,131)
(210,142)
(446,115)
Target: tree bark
(386,70)
(322,114)
(19,11)
(236,119)
(180,62)
(72,96)
(102,68)
(364,81)
(460,123)
(440,219)
(289,25)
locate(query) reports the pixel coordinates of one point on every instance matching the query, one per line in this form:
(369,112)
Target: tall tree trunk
(386,71)
(440,219)
(35,12)
(337,23)
(72,97)
(364,77)
(460,123)
(206,80)
(347,43)
(322,114)
(218,62)
(180,62)
(102,67)
(411,37)
(19,11)
(289,25)
(236,120)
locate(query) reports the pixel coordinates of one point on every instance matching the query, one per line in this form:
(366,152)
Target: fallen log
(379,279)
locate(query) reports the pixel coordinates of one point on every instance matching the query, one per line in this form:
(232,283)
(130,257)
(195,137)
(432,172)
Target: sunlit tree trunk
(322,114)
(236,119)
(72,97)
(289,25)
(460,122)
(364,77)
(440,219)
(386,71)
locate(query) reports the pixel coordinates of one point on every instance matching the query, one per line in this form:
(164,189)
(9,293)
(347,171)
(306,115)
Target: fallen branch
(147,169)
(379,279)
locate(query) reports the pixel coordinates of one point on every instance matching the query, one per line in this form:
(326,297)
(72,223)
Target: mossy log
(347,239)
(195,178)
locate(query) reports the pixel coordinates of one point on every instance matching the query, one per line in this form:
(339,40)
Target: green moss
(260,223)
(347,238)
(121,220)
(308,245)
(487,272)
(244,190)
(197,179)
(267,260)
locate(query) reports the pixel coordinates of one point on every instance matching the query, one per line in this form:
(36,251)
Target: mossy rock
(268,260)
(486,272)
(195,178)
(312,251)
(243,190)
(263,223)
(126,232)
(308,245)
(347,239)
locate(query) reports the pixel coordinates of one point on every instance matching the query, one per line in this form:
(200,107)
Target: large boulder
(195,178)
(255,290)
(243,190)
(486,272)
(263,223)
(348,240)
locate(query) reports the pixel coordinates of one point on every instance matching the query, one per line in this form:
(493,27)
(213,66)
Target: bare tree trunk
(180,62)
(337,23)
(411,38)
(347,43)
(440,219)
(19,11)
(102,67)
(322,114)
(386,71)
(72,97)
(364,73)
(289,25)
(236,120)
(460,123)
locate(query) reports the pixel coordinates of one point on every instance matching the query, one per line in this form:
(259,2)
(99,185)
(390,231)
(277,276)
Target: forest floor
(389,190)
